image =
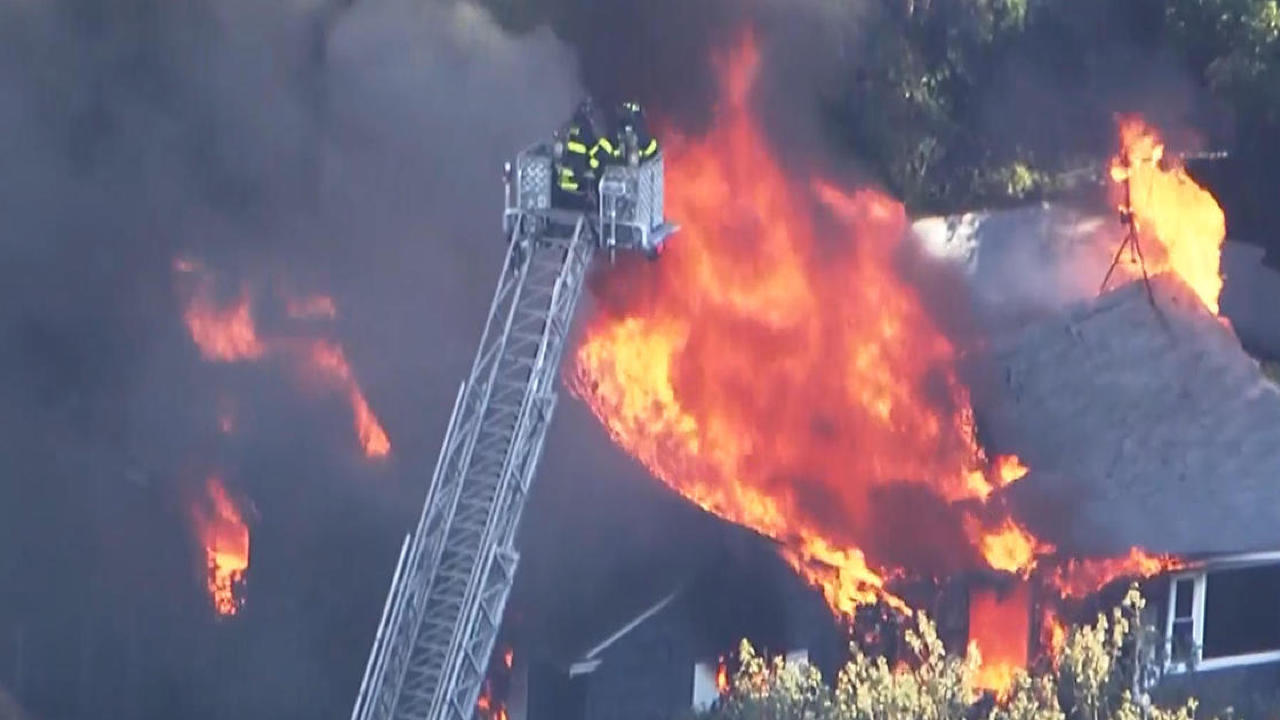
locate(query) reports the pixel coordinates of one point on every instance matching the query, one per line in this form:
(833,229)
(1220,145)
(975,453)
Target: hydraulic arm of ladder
(443,613)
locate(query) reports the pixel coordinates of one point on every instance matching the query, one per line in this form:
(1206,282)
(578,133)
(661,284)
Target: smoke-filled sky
(284,144)
(352,149)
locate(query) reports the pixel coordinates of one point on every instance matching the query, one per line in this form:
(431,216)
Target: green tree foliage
(914,113)
(917,96)
(1235,44)
(1091,679)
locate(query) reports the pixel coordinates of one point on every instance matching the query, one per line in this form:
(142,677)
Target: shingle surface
(1141,428)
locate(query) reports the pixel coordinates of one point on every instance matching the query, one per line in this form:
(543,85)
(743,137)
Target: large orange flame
(775,369)
(999,633)
(1180,225)
(229,334)
(225,536)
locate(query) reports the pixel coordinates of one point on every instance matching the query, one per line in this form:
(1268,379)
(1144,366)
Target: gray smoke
(351,151)
(349,148)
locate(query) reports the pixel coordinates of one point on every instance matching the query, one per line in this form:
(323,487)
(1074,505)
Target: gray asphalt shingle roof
(1162,434)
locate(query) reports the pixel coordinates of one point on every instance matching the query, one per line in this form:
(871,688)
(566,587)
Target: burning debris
(227,333)
(221,529)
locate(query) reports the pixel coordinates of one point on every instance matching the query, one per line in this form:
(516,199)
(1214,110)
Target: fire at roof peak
(1179,224)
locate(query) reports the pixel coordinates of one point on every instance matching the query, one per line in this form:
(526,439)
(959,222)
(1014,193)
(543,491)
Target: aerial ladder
(455,571)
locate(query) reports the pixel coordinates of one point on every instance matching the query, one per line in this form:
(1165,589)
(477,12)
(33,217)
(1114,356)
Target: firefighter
(584,151)
(633,133)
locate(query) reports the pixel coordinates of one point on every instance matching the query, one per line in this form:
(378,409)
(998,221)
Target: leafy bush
(1090,679)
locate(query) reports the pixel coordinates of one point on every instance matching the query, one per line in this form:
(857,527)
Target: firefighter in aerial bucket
(581,153)
(636,143)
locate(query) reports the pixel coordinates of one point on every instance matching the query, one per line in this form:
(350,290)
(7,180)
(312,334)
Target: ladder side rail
(381,702)
(497,591)
(564,315)
(515,270)
(443,496)
(533,313)
(409,584)
(530,426)
(437,517)
(380,695)
(506,558)
(376,651)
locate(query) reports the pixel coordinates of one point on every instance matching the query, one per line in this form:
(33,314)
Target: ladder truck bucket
(631,208)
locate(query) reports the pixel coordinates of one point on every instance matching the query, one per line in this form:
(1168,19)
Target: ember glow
(225,537)
(226,415)
(1180,225)
(1000,631)
(311,307)
(774,369)
(223,334)
(491,704)
(489,708)
(228,333)
(1053,634)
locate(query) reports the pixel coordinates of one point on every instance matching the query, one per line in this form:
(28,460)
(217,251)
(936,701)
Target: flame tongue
(229,334)
(775,374)
(1180,225)
(226,541)
(1079,577)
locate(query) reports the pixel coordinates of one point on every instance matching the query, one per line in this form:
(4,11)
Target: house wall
(646,675)
(1253,692)
(551,694)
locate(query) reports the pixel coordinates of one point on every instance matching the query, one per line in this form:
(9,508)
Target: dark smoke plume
(353,151)
(349,148)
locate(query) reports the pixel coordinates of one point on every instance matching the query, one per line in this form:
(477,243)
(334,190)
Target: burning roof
(1143,428)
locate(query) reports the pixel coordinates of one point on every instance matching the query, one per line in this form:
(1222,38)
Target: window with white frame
(1223,618)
